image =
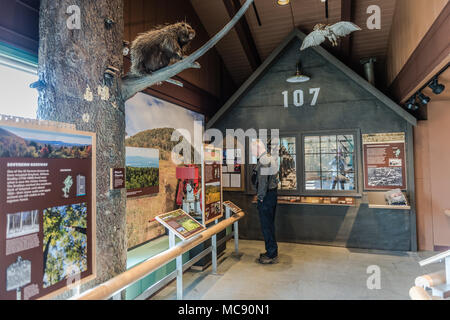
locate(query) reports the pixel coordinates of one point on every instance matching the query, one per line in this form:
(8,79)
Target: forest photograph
(65,242)
(150,123)
(142,168)
(29,143)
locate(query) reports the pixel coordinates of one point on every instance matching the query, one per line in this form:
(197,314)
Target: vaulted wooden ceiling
(275,23)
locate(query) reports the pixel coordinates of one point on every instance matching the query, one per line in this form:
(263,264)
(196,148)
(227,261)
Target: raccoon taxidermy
(157,48)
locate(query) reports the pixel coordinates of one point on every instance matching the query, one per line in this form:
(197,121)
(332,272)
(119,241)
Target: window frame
(356,163)
(295,135)
(249,167)
(300,165)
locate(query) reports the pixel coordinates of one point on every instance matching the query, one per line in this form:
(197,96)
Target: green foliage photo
(65,242)
(137,178)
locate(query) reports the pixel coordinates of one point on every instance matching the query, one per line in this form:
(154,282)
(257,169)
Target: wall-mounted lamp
(299,77)
(436,86)
(282,2)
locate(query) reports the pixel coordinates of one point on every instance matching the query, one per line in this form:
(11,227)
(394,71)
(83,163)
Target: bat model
(321,32)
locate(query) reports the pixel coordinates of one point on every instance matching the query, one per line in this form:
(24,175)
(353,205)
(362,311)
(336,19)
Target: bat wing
(315,38)
(344,28)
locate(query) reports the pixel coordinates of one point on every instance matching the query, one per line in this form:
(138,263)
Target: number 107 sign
(298,97)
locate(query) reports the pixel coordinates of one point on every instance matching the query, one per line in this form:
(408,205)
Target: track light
(283,2)
(424,99)
(436,86)
(411,104)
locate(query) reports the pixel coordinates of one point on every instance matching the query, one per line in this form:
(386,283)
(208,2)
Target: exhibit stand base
(203,255)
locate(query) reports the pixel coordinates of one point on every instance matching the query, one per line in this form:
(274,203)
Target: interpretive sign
(47,208)
(384,161)
(117,178)
(179,222)
(212,184)
(234,208)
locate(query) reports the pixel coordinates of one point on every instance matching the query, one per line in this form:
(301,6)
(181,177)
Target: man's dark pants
(266,211)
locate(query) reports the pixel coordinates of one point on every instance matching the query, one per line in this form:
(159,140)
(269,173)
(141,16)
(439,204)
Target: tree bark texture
(71,66)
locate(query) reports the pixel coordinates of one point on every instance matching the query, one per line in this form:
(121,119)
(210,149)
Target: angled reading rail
(120,282)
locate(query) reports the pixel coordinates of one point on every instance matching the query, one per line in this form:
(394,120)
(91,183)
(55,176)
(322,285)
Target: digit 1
(286,101)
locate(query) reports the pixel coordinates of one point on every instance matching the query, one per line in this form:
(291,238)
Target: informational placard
(117,178)
(182,224)
(384,161)
(233,171)
(47,209)
(234,208)
(212,184)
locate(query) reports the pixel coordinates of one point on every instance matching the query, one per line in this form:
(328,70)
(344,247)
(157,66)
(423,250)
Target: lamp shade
(299,77)
(283,2)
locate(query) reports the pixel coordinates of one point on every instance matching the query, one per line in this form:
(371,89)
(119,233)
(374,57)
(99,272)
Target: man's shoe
(266,260)
(264,255)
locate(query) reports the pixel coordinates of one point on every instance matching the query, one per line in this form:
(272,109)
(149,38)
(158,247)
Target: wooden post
(72,64)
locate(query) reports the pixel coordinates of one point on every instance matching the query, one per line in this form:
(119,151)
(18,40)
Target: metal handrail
(120,282)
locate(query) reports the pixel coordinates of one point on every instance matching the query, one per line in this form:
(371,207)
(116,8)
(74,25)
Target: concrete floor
(303,272)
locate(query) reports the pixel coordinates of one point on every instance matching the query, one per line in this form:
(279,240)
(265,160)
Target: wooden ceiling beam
(346,42)
(431,55)
(245,37)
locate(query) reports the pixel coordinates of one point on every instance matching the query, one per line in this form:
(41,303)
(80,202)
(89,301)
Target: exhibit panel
(152,177)
(211,184)
(47,201)
(337,159)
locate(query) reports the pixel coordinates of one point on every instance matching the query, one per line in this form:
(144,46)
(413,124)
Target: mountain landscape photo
(24,143)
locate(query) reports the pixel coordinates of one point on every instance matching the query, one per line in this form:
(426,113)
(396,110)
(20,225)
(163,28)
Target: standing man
(265,178)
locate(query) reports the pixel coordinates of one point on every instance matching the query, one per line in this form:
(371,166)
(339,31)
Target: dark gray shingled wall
(342,104)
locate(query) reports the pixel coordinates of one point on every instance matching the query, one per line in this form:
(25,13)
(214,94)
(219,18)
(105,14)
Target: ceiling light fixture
(299,77)
(436,86)
(424,99)
(282,2)
(411,104)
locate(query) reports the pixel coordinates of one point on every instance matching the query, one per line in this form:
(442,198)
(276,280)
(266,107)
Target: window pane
(312,162)
(288,164)
(345,144)
(350,184)
(328,144)
(288,181)
(253,149)
(312,144)
(18,99)
(347,162)
(338,181)
(312,181)
(288,145)
(329,162)
(328,179)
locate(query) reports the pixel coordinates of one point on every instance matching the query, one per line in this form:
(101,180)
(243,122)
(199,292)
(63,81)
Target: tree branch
(132,85)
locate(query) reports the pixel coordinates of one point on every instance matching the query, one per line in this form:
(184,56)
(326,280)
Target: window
(329,162)
(287,164)
(18,99)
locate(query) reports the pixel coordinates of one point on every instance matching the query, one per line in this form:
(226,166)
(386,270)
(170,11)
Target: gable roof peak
(296,33)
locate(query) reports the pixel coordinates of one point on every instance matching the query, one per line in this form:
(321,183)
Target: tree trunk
(46,248)
(71,66)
